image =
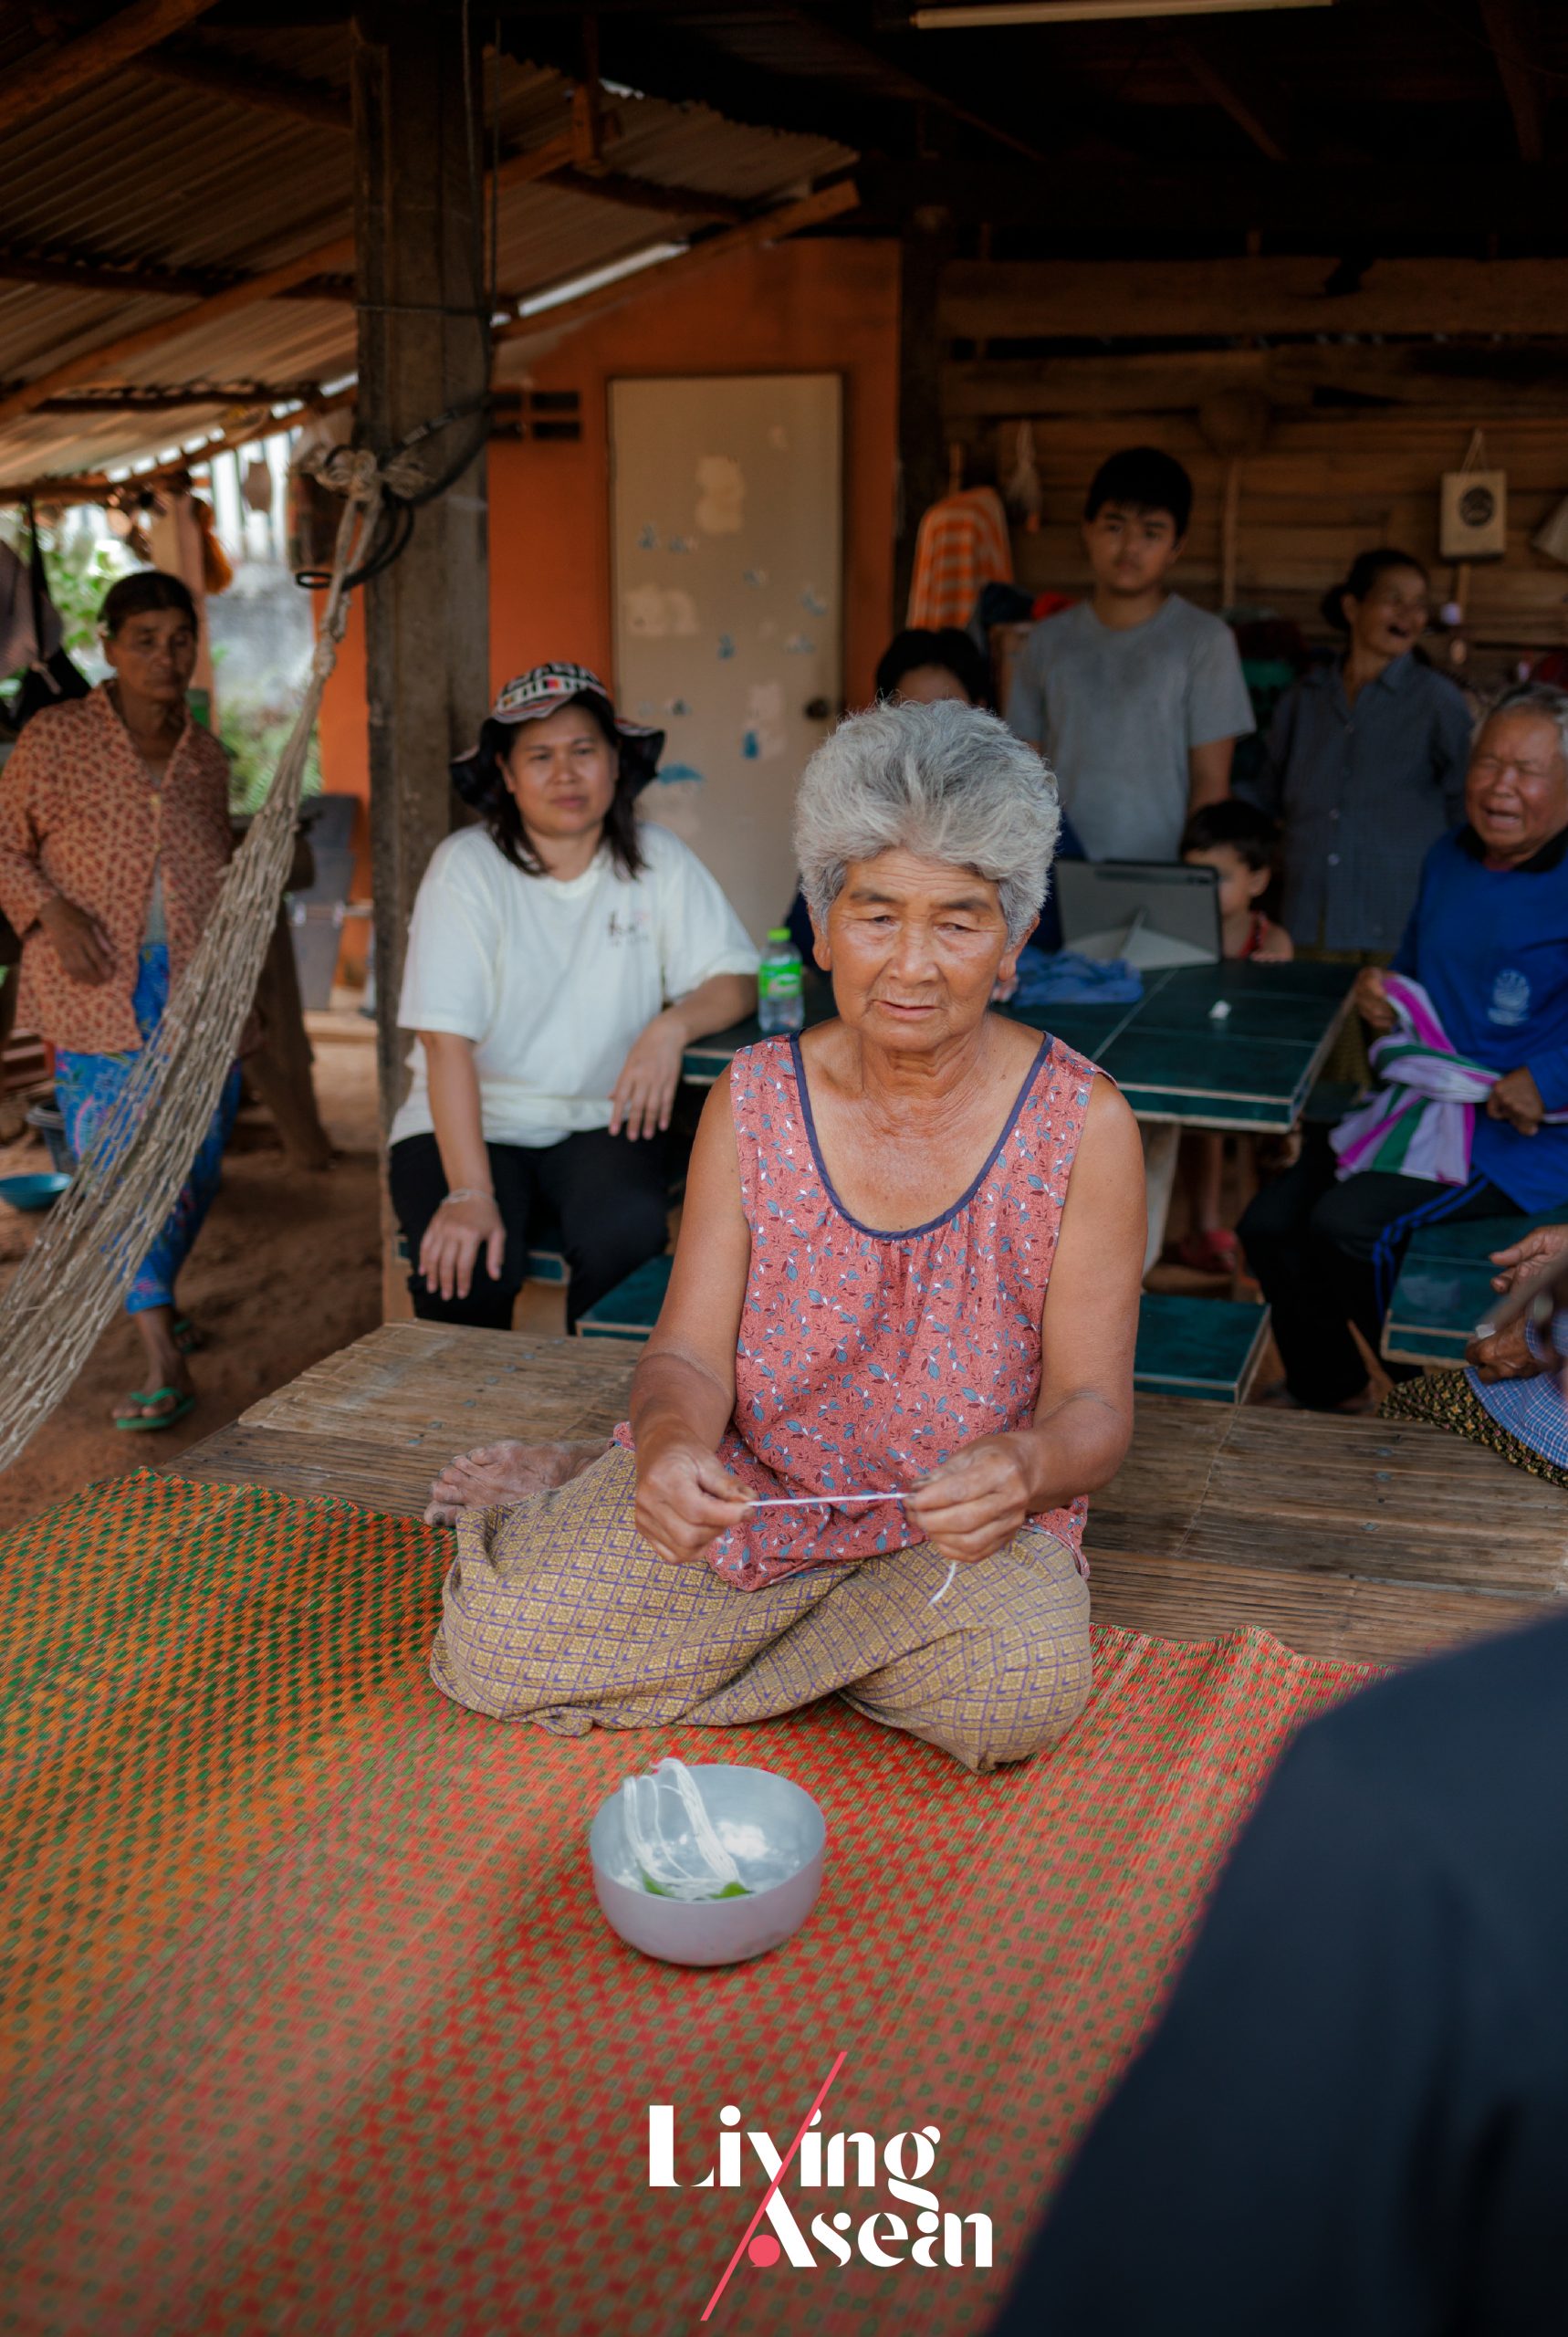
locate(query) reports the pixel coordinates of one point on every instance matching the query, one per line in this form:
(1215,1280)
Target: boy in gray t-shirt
(1134,698)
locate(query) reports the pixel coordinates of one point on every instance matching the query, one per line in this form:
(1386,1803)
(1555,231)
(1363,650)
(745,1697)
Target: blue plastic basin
(32,1192)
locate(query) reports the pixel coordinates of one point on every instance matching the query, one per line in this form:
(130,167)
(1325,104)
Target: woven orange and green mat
(311,2022)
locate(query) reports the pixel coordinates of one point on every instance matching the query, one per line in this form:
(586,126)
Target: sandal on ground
(1214,1252)
(184,1402)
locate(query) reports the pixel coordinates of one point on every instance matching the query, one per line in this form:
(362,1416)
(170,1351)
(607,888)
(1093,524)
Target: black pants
(1328,1255)
(610,1197)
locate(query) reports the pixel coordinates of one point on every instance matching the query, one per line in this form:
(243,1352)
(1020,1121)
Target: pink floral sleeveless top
(865,1358)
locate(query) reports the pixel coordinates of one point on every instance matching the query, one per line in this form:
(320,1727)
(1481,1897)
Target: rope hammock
(78,1271)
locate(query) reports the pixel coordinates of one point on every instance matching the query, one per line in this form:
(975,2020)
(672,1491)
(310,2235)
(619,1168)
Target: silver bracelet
(466,1193)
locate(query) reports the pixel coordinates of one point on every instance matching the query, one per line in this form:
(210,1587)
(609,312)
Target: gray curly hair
(946,781)
(1530,697)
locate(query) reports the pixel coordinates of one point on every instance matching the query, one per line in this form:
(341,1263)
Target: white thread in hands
(710,1870)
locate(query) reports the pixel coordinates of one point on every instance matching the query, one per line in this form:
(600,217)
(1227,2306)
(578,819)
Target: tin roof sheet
(140,170)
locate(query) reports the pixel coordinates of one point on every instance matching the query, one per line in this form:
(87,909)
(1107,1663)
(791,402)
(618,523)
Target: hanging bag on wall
(1473,515)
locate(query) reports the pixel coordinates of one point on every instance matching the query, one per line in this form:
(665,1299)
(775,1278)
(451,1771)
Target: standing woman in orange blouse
(114,835)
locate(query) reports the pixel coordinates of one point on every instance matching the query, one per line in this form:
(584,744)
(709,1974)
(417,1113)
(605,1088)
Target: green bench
(630,1310)
(1204,1347)
(1207,1348)
(1445,1289)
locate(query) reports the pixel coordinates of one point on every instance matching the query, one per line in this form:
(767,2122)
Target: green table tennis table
(1249,1068)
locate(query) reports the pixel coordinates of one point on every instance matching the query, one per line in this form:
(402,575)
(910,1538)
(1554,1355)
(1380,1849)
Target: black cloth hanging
(49,681)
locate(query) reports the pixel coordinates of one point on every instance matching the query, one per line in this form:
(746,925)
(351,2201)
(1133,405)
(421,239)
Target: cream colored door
(728,539)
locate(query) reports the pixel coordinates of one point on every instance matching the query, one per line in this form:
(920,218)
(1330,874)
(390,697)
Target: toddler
(1238,840)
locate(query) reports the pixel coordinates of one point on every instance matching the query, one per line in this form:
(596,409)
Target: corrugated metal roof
(143,170)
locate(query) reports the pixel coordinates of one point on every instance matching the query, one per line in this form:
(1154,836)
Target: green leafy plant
(255,737)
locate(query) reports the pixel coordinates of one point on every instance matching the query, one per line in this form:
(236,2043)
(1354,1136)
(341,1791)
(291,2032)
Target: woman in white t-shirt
(561,959)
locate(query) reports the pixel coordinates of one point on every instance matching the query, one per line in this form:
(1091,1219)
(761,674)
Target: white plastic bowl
(776,1835)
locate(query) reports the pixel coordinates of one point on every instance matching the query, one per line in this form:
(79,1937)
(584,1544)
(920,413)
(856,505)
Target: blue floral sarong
(86,1087)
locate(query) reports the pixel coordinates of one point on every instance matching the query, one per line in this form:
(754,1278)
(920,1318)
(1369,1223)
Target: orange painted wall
(803,308)
(811,307)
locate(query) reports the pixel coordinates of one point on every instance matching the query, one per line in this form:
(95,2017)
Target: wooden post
(423,348)
(921,448)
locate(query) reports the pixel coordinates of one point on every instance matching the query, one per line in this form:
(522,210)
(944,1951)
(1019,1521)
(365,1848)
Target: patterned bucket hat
(544,689)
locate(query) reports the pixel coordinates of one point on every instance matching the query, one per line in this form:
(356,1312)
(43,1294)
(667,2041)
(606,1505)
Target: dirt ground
(287,1269)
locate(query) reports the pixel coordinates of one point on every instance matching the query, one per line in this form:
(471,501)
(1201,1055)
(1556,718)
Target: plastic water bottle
(781,1000)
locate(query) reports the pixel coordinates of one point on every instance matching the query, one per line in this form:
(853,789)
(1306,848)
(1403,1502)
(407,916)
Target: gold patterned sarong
(557,1611)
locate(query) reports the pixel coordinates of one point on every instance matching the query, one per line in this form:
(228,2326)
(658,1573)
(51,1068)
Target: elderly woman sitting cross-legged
(909,1265)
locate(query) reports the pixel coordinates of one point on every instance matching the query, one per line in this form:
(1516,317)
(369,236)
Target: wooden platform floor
(1361,1539)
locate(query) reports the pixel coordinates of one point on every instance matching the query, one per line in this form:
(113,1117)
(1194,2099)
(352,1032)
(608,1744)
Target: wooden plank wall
(1328,481)
(1324,488)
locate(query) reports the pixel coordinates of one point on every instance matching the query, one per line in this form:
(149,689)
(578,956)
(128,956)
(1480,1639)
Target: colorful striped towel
(963,545)
(1420,1120)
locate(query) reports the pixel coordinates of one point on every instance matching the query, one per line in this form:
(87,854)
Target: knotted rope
(78,1269)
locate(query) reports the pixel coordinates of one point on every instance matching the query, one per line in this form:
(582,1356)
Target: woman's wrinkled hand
(1371,1000)
(1517,1100)
(80,943)
(973,1504)
(453,1240)
(1503,1355)
(1524,1257)
(685,1499)
(640,1099)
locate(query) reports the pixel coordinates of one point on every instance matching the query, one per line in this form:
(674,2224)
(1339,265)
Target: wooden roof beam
(1257,113)
(244,81)
(653,195)
(771,226)
(1194,299)
(873,57)
(140,280)
(72,65)
(126,399)
(1511,29)
(87,275)
(97,487)
(1501,377)
(96,365)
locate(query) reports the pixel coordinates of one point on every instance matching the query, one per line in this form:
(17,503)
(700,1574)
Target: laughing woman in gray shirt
(1365,768)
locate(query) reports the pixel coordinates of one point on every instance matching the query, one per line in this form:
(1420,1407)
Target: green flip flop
(187,1338)
(184,1403)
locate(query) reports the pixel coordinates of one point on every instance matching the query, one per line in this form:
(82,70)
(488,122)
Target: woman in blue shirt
(1488,941)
